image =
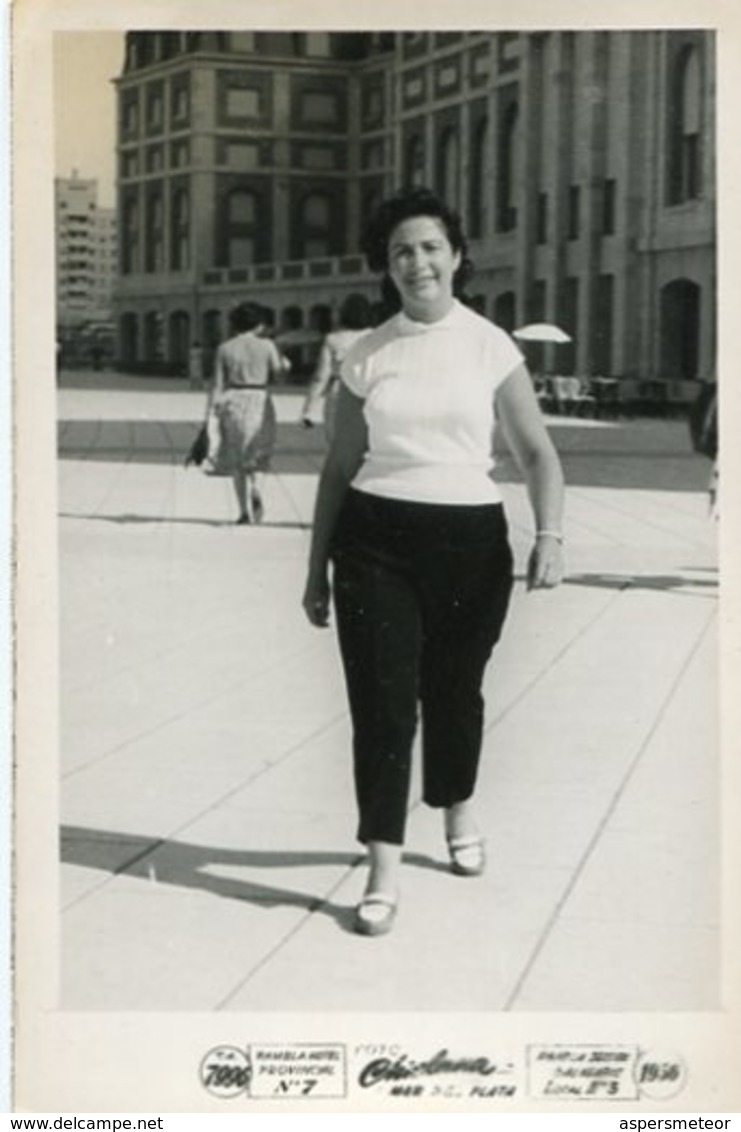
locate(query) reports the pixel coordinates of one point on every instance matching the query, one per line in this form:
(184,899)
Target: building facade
(583,164)
(86,260)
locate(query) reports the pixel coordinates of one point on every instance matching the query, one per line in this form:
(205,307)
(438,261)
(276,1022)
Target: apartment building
(86,252)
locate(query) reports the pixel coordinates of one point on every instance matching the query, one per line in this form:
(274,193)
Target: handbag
(199,448)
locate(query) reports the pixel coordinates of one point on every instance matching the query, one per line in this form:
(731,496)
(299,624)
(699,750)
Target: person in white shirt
(414,527)
(355,318)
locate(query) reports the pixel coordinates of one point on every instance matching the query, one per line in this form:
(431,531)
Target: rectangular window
(154,159)
(180,104)
(154,111)
(538,298)
(318,44)
(372,104)
(479,66)
(241,251)
(603,324)
(242,41)
(568,318)
(320,107)
(179,154)
(541,219)
(242,102)
(574,210)
(131,117)
(317,157)
(608,208)
(241,156)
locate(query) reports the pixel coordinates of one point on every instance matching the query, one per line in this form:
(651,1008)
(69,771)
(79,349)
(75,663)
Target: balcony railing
(292,271)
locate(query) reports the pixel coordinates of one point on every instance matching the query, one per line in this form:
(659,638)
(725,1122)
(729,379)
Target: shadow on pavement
(217,523)
(186,865)
(162,861)
(643,582)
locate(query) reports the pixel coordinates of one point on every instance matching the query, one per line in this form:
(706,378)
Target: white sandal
(375,914)
(467,855)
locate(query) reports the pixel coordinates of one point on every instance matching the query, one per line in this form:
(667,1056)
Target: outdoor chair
(571,397)
(606,393)
(544,394)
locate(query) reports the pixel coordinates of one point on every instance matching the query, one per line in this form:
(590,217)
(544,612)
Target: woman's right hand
(316,601)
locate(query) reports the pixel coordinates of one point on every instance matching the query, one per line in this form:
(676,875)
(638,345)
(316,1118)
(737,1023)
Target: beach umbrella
(541,332)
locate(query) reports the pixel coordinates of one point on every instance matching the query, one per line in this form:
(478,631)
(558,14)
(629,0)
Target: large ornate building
(583,164)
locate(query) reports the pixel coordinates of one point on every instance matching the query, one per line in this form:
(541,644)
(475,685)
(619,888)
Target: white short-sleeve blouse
(429,392)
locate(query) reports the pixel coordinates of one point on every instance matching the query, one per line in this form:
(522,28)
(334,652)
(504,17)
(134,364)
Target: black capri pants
(421,593)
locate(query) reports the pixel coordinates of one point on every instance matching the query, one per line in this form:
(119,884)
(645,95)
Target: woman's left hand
(545,568)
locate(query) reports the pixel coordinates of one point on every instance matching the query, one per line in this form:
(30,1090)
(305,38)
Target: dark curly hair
(405,205)
(245,316)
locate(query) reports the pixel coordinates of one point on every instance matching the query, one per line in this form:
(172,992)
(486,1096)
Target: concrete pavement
(206,802)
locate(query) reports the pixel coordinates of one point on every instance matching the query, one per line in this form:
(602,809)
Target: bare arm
(319,383)
(216,386)
(533,449)
(278,363)
(345,456)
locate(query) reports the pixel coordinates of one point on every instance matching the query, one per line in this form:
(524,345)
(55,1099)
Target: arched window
(316,211)
(507,170)
(684,181)
(129,340)
(211,329)
(414,161)
(320,318)
(178,337)
(477,179)
(241,228)
(448,167)
(292,318)
(153,337)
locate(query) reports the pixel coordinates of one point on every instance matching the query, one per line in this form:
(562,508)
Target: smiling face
(421,264)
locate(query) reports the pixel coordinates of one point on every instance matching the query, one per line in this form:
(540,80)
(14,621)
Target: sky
(85,107)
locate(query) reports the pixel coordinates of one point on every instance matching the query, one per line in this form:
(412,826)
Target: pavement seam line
(543,672)
(314,907)
(303,525)
(320,901)
(207,809)
(208,702)
(576,874)
(664,530)
(558,656)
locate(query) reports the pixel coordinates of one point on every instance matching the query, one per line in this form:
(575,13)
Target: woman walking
(415,530)
(239,396)
(321,400)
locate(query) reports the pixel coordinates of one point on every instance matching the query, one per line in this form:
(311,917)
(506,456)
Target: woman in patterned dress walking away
(240,398)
